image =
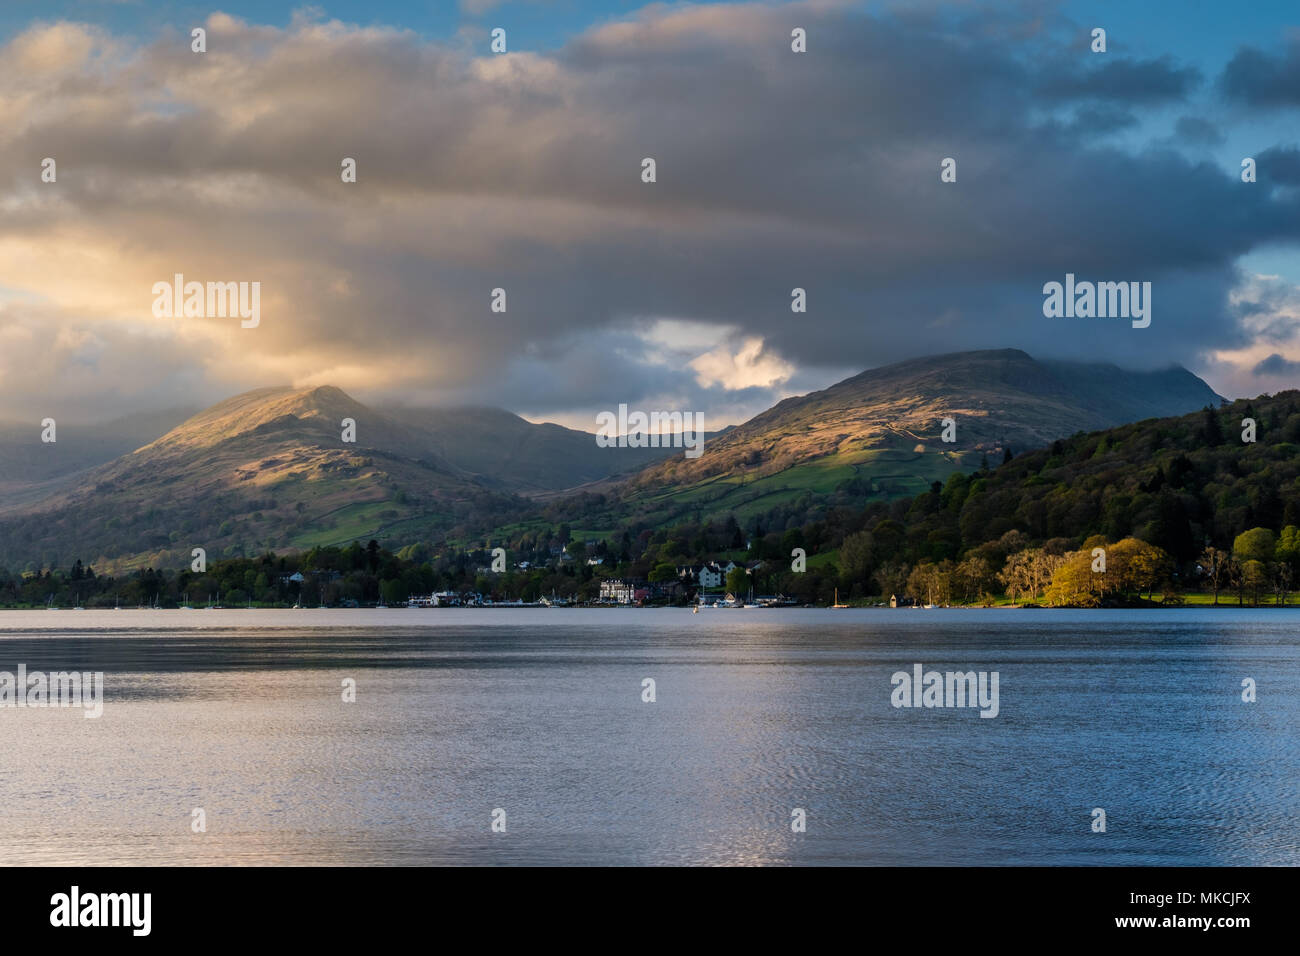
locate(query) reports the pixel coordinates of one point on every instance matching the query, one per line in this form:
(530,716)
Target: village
(703,585)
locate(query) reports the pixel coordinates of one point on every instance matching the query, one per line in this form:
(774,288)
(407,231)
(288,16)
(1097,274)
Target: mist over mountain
(28,462)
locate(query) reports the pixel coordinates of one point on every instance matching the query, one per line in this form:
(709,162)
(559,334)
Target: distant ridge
(878,433)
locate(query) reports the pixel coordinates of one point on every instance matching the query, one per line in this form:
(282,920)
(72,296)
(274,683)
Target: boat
(837,603)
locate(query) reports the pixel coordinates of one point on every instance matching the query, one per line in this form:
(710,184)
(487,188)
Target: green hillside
(879,436)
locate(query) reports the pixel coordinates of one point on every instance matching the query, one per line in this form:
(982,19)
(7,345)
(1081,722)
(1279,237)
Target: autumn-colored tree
(1028,572)
(1075,583)
(1137,565)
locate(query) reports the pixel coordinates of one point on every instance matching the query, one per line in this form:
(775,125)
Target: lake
(757,714)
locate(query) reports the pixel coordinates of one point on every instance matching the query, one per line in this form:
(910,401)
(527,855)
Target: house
(711,576)
(616,591)
(624,591)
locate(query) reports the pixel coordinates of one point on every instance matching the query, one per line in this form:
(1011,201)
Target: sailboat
(49,605)
(837,603)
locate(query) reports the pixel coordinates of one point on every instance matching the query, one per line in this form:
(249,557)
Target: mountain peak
(251,410)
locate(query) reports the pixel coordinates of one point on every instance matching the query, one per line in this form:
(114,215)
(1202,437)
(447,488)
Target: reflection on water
(539,712)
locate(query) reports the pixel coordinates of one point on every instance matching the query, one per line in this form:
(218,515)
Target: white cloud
(749,366)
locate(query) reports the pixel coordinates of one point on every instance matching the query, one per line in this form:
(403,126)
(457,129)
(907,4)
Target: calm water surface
(539,712)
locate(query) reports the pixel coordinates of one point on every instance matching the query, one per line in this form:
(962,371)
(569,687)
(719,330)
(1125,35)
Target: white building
(616,591)
(711,576)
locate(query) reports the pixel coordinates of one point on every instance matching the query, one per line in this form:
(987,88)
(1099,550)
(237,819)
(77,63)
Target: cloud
(1260,79)
(1277,365)
(1279,165)
(1267,309)
(1121,81)
(522,172)
(1197,131)
(748,367)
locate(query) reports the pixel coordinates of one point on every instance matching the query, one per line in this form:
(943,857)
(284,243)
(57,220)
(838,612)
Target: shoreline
(1145,606)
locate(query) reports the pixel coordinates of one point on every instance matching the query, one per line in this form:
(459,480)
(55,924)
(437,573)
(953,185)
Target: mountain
(518,455)
(266,469)
(879,433)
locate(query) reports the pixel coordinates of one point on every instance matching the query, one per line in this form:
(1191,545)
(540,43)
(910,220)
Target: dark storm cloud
(775,170)
(1280,165)
(1276,365)
(1144,82)
(1262,79)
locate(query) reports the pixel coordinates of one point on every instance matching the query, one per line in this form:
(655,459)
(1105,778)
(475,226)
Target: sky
(522,171)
